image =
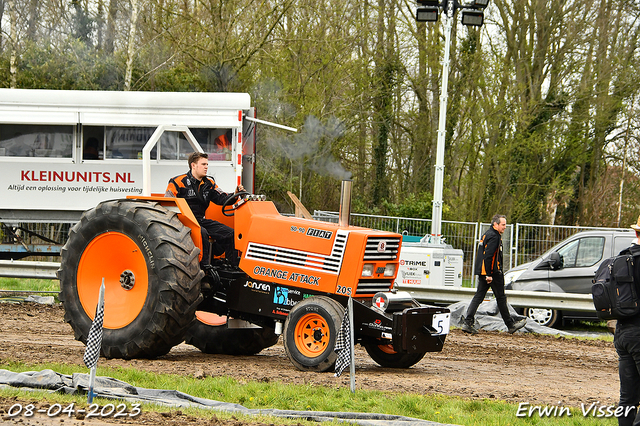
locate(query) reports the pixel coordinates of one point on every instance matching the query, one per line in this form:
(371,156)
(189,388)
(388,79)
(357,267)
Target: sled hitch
(411,328)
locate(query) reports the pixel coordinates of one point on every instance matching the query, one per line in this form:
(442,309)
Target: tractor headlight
(367,270)
(390,270)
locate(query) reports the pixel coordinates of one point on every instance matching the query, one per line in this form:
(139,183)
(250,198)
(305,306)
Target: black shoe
(469,328)
(517,325)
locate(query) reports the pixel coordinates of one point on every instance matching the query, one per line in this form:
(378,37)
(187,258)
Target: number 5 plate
(441,323)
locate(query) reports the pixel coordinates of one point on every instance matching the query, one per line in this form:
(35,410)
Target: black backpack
(614,291)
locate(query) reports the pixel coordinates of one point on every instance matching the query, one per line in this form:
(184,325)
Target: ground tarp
(488,318)
(106,387)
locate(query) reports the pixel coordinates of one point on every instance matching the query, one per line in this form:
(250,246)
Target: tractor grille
(302,259)
(382,248)
(372,286)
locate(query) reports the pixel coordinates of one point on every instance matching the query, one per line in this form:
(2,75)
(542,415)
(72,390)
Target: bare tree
(13,42)
(110,36)
(131,51)
(2,35)
(33,16)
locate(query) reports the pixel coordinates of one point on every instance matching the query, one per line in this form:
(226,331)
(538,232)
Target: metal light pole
(472,14)
(436,215)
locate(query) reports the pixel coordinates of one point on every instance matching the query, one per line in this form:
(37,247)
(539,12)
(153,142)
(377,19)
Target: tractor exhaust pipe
(345,203)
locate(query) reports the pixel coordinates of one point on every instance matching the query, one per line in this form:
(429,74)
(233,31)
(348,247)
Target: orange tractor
(294,279)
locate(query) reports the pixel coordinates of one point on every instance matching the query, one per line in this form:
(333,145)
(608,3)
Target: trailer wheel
(385,356)
(151,273)
(215,337)
(310,333)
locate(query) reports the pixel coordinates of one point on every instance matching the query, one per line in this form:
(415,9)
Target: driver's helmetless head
(199,164)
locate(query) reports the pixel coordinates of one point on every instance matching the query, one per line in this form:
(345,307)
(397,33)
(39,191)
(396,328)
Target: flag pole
(92,377)
(352,368)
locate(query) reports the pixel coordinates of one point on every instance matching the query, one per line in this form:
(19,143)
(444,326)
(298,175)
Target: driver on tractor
(199,190)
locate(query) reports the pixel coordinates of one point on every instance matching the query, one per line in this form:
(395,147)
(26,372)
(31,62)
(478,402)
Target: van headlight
(512,276)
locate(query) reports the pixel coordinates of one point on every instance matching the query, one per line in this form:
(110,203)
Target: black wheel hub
(317,335)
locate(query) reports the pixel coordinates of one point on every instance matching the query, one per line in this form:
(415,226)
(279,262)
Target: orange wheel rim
(387,349)
(118,259)
(312,335)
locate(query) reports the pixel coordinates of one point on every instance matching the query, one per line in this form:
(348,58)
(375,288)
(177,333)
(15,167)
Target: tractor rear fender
(179,206)
(410,330)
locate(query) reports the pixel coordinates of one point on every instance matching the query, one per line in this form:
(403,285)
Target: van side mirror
(553,262)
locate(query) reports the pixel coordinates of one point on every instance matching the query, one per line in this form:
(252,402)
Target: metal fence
(17,239)
(35,233)
(534,240)
(522,242)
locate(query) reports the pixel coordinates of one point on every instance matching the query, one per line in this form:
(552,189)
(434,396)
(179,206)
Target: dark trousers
(497,285)
(627,343)
(223,236)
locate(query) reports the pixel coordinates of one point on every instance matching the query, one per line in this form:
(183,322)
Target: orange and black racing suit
(198,194)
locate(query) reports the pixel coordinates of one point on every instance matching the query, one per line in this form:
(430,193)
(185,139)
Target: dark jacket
(491,253)
(197,193)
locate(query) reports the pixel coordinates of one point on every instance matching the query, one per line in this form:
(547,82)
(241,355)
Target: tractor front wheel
(150,268)
(385,356)
(310,333)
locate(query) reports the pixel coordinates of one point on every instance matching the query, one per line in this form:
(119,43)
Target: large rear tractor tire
(310,333)
(151,274)
(385,356)
(211,334)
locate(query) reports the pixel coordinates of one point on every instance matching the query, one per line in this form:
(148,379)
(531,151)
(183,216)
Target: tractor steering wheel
(227,205)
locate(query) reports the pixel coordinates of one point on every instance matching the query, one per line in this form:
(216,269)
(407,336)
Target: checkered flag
(94,341)
(343,345)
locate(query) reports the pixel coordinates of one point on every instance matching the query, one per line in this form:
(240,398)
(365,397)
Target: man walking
(490,275)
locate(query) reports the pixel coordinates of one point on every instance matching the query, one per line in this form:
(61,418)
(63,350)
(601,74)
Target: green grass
(261,395)
(467,282)
(28,284)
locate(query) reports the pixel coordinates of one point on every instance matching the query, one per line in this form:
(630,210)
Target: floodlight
(481,4)
(427,14)
(472,17)
(432,3)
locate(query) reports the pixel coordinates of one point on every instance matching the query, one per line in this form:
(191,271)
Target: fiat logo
(382,246)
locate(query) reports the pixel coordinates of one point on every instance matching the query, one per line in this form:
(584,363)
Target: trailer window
(128,142)
(215,142)
(22,140)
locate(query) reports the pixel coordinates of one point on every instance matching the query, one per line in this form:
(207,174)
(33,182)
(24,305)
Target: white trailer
(62,151)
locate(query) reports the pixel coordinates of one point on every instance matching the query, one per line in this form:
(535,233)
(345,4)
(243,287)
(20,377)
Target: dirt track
(541,370)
